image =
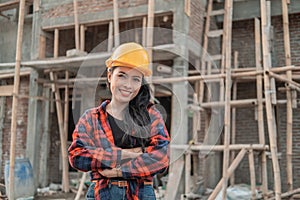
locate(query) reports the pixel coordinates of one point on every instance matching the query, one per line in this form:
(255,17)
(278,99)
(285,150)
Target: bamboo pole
(82,180)
(204,50)
(289,109)
(116,24)
(269,108)
(232,147)
(252,174)
(13,129)
(76,22)
(230,170)
(53,77)
(227,47)
(260,113)
(282,78)
(287,194)
(233,116)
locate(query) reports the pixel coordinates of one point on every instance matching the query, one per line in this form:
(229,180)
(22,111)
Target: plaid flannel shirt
(93,149)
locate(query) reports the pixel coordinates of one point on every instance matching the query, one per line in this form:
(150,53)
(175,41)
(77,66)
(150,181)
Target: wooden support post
(82,37)
(76,21)
(66,109)
(59,110)
(268,90)
(227,117)
(196,120)
(144,31)
(80,186)
(150,27)
(42,48)
(188,182)
(230,170)
(233,116)
(289,109)
(252,174)
(13,130)
(110,37)
(116,24)
(260,113)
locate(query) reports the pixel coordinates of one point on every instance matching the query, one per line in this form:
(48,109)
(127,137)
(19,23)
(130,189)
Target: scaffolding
(225,77)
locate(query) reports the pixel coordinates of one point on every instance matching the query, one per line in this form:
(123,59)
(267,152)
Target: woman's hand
(131,153)
(110,173)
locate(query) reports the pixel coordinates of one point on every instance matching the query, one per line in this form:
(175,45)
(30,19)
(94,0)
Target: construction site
(225,76)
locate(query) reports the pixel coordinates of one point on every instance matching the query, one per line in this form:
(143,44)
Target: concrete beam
(249,9)
(106,15)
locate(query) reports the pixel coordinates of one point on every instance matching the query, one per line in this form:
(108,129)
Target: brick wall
(243,42)
(196,20)
(90,7)
(21,124)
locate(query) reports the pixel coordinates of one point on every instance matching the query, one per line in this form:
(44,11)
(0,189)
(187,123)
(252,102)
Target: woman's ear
(109,75)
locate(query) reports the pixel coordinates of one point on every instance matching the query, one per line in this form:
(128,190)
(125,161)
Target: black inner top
(122,139)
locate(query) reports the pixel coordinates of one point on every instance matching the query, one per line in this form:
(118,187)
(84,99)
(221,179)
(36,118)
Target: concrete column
(34,124)
(2,116)
(179,123)
(35,116)
(45,141)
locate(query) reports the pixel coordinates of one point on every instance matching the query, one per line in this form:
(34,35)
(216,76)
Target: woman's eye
(121,76)
(137,80)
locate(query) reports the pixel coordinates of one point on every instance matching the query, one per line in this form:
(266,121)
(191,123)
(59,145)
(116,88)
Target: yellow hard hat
(130,55)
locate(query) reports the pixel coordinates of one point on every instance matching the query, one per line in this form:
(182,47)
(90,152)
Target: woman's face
(125,83)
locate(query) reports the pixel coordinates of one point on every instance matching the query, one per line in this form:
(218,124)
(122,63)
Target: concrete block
(75,53)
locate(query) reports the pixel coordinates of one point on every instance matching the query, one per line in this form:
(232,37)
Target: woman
(123,142)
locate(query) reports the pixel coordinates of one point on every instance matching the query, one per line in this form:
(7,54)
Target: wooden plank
(267,90)
(260,112)
(116,23)
(6,90)
(13,129)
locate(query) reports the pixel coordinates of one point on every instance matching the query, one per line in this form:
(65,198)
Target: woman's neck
(116,109)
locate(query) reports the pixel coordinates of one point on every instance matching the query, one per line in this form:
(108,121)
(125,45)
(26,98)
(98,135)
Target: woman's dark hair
(136,117)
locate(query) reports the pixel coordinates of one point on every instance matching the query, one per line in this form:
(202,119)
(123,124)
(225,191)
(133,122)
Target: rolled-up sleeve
(156,157)
(90,150)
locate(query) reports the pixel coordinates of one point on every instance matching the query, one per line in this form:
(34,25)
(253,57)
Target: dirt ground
(58,196)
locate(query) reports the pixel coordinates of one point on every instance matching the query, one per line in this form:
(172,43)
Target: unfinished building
(225,75)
